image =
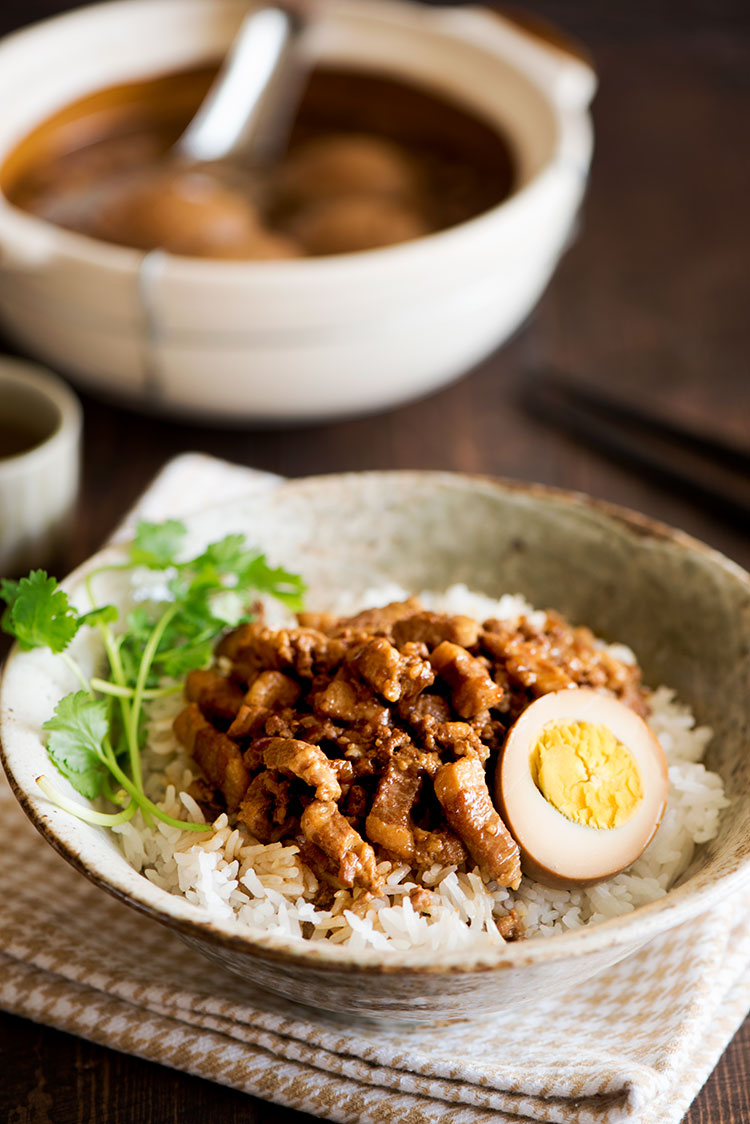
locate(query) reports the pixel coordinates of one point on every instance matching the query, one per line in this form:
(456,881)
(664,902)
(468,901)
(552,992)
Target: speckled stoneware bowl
(683,608)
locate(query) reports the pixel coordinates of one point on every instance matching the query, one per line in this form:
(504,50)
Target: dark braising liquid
(464,166)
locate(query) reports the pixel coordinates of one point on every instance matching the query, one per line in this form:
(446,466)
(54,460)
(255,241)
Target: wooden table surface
(651,302)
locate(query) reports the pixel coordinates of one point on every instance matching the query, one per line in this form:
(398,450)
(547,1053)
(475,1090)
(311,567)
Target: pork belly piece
(322,867)
(527,660)
(348,701)
(460,739)
(422,716)
(265,808)
(461,788)
(370,747)
(253,756)
(472,688)
(424,706)
(387,740)
(241,637)
(254,721)
(344,772)
(441,846)
(393,674)
(378,622)
(303,651)
(321,622)
(554,655)
(281,723)
(356,805)
(510,926)
(249,722)
(323,825)
(389,822)
(218,756)
(206,797)
(306,761)
(433,628)
(312,728)
(273,690)
(490,728)
(219,698)
(313,652)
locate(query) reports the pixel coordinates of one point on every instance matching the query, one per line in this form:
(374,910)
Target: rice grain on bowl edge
(266,886)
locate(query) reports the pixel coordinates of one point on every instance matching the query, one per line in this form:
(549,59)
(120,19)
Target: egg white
(554,849)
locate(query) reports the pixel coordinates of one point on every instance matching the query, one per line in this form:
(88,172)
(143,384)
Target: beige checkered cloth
(635,1044)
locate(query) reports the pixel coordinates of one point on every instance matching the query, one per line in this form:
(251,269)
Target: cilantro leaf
(224,556)
(91,739)
(139,623)
(282,584)
(181,659)
(76,732)
(39,614)
(8,590)
(8,594)
(156,544)
(106,614)
(246,569)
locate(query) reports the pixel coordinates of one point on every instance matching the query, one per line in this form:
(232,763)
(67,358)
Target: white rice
(230,875)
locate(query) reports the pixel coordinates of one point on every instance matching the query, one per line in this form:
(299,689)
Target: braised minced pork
(374,736)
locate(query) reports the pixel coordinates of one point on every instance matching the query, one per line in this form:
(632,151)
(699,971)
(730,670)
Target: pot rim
(32,240)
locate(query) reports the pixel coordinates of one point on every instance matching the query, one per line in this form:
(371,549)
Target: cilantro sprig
(38,612)
(95,735)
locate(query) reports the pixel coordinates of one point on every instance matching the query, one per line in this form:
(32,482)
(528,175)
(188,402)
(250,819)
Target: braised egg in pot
(582,786)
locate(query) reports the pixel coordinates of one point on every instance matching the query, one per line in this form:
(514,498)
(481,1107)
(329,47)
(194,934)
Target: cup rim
(47,387)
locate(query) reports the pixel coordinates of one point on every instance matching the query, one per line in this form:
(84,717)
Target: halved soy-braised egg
(582,786)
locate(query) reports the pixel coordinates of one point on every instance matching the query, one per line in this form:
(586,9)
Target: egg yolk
(586,773)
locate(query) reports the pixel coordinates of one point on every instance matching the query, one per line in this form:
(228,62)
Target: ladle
(246,115)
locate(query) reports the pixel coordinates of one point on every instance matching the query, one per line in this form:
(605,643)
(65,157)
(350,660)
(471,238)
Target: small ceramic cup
(40,436)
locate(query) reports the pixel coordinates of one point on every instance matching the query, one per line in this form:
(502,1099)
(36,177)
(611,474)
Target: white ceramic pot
(294,339)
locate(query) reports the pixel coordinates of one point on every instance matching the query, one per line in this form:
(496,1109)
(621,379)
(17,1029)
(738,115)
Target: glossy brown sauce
(371,161)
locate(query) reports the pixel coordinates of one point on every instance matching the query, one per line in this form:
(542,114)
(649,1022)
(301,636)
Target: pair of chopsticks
(706,470)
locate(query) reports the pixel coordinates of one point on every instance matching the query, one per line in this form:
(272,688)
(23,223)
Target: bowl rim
(679,905)
(98,253)
(41,383)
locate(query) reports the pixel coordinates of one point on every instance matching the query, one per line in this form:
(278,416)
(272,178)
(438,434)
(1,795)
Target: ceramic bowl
(683,608)
(311,339)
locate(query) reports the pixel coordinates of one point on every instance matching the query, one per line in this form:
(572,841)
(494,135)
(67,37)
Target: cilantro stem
(111,567)
(105,687)
(100,819)
(102,570)
(118,797)
(113,655)
(148,805)
(73,666)
(140,685)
